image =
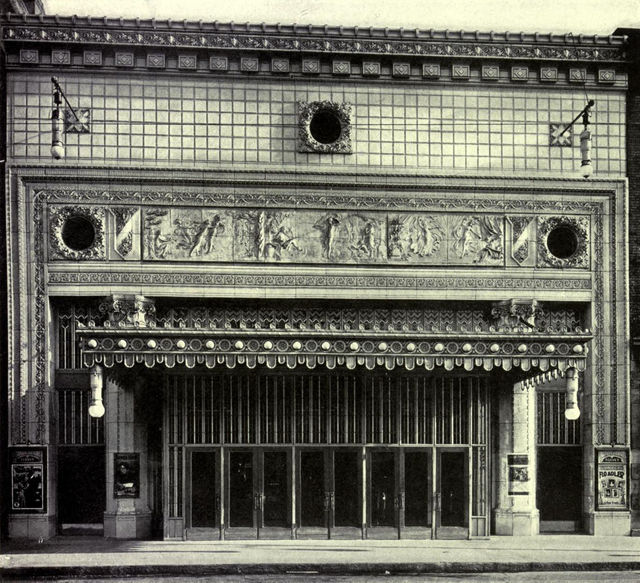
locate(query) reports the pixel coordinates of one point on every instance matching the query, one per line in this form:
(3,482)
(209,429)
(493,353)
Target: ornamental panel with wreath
(77,232)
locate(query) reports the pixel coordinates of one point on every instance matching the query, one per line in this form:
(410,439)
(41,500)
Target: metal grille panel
(326,408)
(553,427)
(76,426)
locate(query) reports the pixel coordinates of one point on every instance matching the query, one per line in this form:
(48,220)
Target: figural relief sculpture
(341,237)
(415,237)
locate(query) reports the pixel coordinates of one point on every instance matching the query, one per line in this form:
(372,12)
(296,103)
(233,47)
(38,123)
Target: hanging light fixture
(586,168)
(57,120)
(572,412)
(57,125)
(96,407)
(585,147)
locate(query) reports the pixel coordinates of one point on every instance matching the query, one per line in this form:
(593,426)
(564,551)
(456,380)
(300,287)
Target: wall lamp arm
(584,114)
(59,89)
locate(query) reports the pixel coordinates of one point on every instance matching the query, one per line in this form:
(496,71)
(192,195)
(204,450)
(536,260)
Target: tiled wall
(187,121)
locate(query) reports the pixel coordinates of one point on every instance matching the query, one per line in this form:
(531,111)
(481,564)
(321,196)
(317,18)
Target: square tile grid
(159,120)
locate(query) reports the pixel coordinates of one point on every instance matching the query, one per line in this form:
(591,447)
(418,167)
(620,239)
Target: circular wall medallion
(325,126)
(562,242)
(78,232)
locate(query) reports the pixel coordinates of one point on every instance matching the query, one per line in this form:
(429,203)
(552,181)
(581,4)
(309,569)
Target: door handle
(257,501)
(438,501)
(329,501)
(400,501)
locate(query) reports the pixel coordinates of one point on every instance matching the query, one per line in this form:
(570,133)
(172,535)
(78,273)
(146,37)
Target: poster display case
(28,479)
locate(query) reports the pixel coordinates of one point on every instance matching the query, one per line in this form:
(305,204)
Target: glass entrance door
(416,496)
(274,494)
(258,493)
(383,496)
(452,496)
(313,493)
(399,493)
(346,495)
(242,503)
(204,495)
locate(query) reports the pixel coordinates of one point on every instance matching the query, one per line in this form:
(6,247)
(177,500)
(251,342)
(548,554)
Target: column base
(130,525)
(610,523)
(517,523)
(34,527)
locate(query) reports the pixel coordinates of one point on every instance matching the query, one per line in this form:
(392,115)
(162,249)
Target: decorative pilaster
(127,514)
(516,514)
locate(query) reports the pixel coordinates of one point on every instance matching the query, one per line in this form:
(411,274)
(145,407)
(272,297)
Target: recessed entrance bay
(336,454)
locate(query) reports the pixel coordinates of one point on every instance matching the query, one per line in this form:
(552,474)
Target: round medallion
(562,242)
(78,233)
(325,126)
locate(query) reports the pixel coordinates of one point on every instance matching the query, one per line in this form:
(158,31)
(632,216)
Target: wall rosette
(563,241)
(77,233)
(324,127)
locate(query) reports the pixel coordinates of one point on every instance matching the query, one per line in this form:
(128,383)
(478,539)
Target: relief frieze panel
(314,236)
(342,237)
(187,234)
(417,238)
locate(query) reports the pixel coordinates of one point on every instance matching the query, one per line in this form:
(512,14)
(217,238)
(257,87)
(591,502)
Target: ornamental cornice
(315,40)
(151,346)
(300,30)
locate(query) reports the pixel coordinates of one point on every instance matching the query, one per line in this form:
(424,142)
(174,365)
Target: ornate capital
(129,311)
(515,315)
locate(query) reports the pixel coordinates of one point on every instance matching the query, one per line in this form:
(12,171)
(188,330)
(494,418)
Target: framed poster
(28,479)
(611,481)
(126,475)
(518,474)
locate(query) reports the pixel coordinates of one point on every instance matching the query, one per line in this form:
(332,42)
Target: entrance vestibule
(321,455)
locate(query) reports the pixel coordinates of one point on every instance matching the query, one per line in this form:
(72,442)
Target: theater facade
(314,282)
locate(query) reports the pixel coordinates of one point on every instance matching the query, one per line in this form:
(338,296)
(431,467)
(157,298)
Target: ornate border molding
(32,338)
(315,200)
(314,281)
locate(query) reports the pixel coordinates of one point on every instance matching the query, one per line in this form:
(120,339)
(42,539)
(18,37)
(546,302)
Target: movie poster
(612,480)
(518,474)
(126,475)
(28,467)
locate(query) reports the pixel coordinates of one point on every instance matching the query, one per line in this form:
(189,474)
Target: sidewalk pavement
(97,557)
